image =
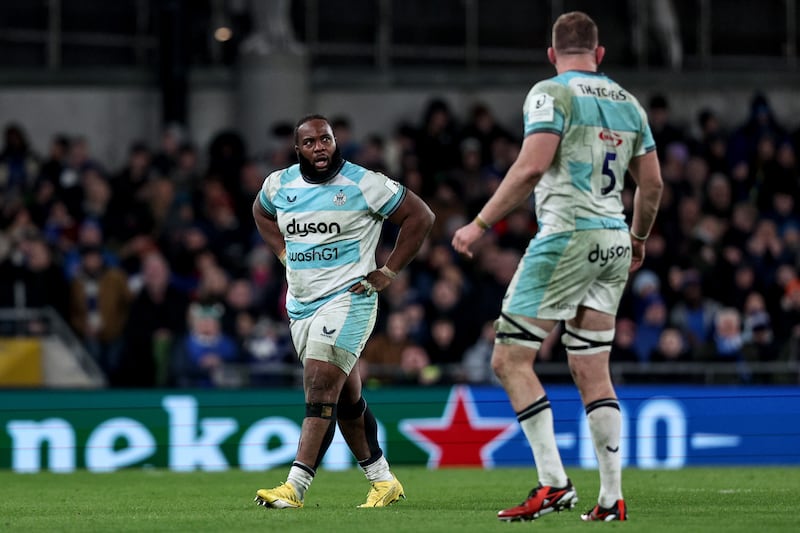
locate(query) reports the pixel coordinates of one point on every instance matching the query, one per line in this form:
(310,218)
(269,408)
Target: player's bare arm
(269,230)
(536,156)
(646,173)
(415,219)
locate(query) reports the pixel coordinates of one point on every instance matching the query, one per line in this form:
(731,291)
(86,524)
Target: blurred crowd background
(159,270)
(152,260)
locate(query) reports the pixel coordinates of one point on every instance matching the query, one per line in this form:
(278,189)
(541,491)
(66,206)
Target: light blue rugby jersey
(602,127)
(331,229)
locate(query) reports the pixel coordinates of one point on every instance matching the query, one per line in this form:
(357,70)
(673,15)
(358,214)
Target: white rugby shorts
(562,271)
(337,331)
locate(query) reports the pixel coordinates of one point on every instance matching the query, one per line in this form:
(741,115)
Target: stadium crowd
(158,269)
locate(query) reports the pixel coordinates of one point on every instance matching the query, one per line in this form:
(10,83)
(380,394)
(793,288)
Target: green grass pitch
(458,500)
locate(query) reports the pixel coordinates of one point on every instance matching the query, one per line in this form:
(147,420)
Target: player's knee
(499,363)
(321,410)
(348,411)
(579,341)
(503,362)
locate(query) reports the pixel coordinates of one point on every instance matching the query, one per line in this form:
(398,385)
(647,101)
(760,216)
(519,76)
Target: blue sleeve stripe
(394,202)
(266,204)
(531,131)
(552,126)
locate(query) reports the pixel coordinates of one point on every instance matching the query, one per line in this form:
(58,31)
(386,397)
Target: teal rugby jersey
(602,127)
(331,229)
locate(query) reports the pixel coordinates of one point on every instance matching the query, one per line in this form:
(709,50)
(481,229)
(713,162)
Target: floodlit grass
(462,500)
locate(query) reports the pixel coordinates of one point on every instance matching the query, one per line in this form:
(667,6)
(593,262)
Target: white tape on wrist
(386,271)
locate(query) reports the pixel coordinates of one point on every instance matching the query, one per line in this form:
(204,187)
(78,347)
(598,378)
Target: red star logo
(460,437)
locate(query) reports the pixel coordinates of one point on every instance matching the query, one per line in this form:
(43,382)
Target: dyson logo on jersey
(609,254)
(293,228)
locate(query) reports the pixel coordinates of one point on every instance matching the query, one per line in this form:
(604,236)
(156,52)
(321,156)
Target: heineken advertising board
(663,427)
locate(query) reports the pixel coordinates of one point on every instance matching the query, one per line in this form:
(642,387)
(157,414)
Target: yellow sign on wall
(20,362)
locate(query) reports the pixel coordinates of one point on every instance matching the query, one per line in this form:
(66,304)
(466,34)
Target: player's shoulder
(362,175)
(279,178)
(556,88)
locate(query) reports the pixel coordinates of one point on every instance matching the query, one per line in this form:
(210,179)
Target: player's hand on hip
(374,282)
(637,255)
(465,237)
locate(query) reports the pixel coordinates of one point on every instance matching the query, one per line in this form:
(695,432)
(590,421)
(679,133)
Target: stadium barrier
(62,359)
(473,426)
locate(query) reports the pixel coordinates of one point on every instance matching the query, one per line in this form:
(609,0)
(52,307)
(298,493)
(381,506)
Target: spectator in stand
(186,173)
(437,143)
(623,348)
(199,357)
(239,301)
(131,195)
(371,153)
(718,197)
(70,183)
(517,229)
(443,347)
(214,281)
(783,211)
(446,303)
(281,152)
(740,227)
(483,127)
(694,314)
(227,153)
(99,305)
(266,347)
(267,281)
(381,360)
(743,143)
(469,173)
(345,138)
(696,172)
(665,132)
(496,272)
(227,237)
(477,360)
(400,150)
(90,234)
(766,250)
(670,353)
(19,166)
(60,228)
(650,325)
(31,278)
(165,160)
(417,368)
(711,143)
(56,162)
(156,321)
(447,204)
(786,290)
(250,181)
(743,282)
(758,338)
(727,343)
(97,199)
(505,150)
